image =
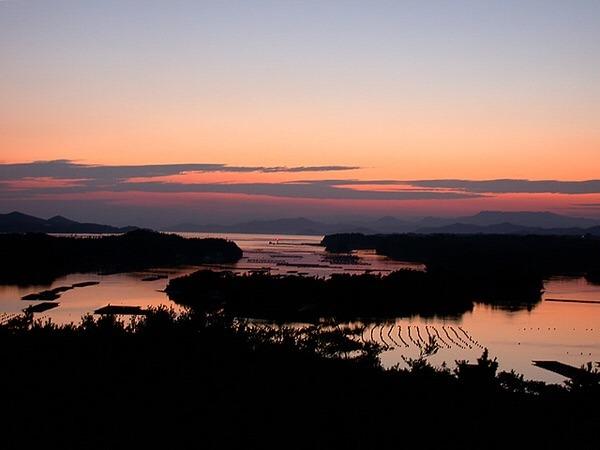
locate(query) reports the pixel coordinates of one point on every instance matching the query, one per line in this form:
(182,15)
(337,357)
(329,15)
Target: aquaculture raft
(121,309)
(41,307)
(565,369)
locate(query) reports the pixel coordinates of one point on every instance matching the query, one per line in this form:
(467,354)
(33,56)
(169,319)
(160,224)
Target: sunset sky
(160,112)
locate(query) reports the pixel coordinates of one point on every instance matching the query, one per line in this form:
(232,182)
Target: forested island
(343,296)
(500,270)
(547,255)
(17,222)
(35,258)
(495,265)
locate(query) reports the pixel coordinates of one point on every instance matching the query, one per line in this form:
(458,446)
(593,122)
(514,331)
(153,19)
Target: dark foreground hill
(186,382)
(40,258)
(16,222)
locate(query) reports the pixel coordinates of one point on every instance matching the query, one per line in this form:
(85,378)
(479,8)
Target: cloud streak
(68,177)
(28,180)
(307,189)
(513,186)
(67,169)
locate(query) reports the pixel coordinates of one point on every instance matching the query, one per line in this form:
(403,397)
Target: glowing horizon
(385,91)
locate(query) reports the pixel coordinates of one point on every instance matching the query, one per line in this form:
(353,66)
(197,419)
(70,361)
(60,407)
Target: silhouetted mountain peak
(507,228)
(20,215)
(17,222)
(16,219)
(495,215)
(541,219)
(289,220)
(389,220)
(61,220)
(483,222)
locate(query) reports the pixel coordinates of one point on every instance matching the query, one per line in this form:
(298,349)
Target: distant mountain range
(299,225)
(507,228)
(16,222)
(487,222)
(542,219)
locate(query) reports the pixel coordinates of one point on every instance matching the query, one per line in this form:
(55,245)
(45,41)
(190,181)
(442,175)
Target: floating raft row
(121,309)
(53,294)
(566,300)
(7,317)
(155,277)
(404,336)
(85,284)
(40,307)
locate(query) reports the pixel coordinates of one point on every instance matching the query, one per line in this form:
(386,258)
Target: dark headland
(33,258)
(197,381)
(492,264)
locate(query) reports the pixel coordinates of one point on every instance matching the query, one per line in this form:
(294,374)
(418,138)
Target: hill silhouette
(492,267)
(34,258)
(193,382)
(507,228)
(544,255)
(16,222)
(295,225)
(488,222)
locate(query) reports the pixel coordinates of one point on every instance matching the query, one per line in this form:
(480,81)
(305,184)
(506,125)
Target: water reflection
(117,289)
(276,254)
(566,332)
(516,334)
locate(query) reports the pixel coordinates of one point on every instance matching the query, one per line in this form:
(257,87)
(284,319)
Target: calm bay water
(567,332)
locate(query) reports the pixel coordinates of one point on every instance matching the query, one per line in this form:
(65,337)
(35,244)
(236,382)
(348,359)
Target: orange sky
(403,91)
(468,146)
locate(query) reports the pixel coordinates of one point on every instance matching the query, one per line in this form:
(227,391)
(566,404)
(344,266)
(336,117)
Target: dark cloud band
(65,169)
(16,181)
(94,178)
(513,186)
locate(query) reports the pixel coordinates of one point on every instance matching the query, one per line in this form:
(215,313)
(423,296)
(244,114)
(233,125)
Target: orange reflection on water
(566,332)
(556,331)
